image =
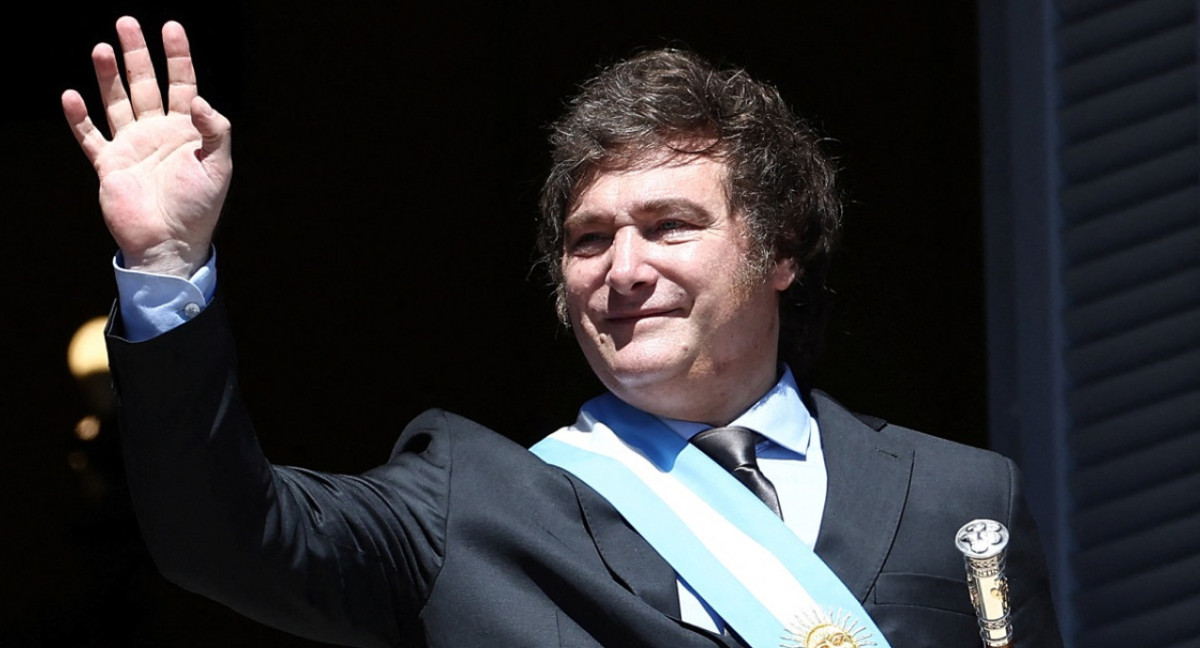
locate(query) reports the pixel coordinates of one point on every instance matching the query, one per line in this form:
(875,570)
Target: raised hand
(165,172)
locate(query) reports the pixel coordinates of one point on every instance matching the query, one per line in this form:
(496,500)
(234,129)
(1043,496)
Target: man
(688,221)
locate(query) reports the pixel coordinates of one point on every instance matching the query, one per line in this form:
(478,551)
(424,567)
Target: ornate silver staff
(983,544)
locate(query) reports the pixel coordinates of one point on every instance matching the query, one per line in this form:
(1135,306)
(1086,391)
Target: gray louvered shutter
(1131,272)
(1122,255)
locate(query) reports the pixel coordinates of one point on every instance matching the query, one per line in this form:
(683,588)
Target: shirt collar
(780,415)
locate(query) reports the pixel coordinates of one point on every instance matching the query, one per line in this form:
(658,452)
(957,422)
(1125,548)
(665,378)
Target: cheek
(571,282)
(574,309)
(575,299)
(581,281)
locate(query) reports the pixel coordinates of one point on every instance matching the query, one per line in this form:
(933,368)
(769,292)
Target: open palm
(164,174)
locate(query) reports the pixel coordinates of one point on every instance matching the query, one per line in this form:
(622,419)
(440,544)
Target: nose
(629,268)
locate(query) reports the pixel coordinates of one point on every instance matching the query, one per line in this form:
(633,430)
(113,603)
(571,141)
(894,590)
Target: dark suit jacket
(465,539)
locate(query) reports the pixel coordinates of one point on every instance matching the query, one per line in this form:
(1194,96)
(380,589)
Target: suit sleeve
(1034,621)
(277,544)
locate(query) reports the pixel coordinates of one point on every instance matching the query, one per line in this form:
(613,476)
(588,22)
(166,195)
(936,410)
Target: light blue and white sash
(729,547)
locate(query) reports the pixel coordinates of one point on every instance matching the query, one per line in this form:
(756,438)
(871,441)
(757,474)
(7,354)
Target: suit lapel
(868,476)
(630,559)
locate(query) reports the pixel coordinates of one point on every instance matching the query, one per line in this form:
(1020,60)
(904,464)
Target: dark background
(376,245)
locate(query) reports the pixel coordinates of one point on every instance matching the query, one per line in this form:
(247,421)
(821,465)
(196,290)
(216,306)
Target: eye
(671,228)
(587,243)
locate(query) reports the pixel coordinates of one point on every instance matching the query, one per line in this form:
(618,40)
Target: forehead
(654,183)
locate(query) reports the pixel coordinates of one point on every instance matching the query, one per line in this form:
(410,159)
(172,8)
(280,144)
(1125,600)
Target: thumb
(214,129)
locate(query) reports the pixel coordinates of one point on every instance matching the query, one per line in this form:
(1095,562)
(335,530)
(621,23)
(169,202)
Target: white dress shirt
(790,457)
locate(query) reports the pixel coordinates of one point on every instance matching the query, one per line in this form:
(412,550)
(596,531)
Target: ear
(783,274)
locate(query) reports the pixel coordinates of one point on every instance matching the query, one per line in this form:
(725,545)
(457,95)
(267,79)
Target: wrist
(174,258)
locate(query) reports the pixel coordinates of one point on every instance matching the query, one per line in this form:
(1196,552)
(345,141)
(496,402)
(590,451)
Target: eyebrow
(654,206)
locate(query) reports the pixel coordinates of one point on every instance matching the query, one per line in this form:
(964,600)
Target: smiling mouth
(629,318)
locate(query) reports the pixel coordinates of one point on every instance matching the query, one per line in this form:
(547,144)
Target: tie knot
(731,447)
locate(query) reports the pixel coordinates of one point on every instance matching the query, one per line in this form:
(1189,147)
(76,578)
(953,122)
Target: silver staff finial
(983,544)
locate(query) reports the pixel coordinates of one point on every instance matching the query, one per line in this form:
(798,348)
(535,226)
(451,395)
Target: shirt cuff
(152,304)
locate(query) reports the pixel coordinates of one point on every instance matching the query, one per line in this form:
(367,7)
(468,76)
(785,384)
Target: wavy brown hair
(780,182)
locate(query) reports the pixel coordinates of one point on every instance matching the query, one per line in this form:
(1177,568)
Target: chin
(639,373)
(640,364)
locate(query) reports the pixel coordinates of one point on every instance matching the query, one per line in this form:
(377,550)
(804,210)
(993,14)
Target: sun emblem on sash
(817,629)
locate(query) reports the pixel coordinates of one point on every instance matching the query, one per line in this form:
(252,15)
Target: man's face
(662,293)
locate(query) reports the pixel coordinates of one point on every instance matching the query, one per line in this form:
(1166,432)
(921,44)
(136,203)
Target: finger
(181,76)
(214,129)
(89,137)
(112,91)
(144,94)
